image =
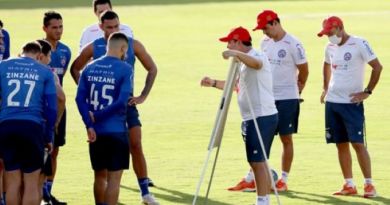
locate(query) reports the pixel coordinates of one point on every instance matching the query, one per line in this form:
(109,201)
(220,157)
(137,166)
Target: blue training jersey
(100,49)
(60,58)
(26,87)
(5,54)
(104,89)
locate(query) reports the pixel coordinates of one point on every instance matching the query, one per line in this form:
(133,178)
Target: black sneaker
(55,201)
(46,200)
(150,183)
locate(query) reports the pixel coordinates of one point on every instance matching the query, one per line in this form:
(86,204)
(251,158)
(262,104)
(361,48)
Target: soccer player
(289,71)
(109,23)
(102,95)
(2,49)
(2,45)
(343,94)
(93,31)
(45,59)
(60,57)
(28,99)
(255,80)
(5,51)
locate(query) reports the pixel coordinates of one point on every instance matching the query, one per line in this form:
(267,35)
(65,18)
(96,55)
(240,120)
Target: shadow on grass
(328,199)
(52,4)
(175,196)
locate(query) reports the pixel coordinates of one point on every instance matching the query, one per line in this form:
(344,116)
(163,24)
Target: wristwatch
(368,91)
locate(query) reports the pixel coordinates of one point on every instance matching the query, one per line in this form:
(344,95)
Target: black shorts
(110,151)
(47,168)
(22,145)
(132,117)
(59,138)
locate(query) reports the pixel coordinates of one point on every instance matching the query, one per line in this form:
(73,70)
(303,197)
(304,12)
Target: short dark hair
(46,47)
(247,43)
(49,16)
(1,24)
(118,36)
(100,2)
(108,15)
(32,47)
(272,22)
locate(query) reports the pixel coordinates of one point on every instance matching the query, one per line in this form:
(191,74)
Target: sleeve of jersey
(81,101)
(68,57)
(6,54)
(327,56)
(299,54)
(120,104)
(366,51)
(50,110)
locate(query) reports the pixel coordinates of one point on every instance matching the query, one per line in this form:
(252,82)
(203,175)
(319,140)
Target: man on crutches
(255,99)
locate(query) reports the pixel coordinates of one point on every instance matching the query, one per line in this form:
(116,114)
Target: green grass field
(178,116)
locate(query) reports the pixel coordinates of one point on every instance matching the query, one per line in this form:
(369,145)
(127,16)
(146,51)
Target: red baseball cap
(239,33)
(264,17)
(328,24)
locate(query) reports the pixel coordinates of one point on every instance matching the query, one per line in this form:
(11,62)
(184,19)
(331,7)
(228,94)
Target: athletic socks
(143,185)
(49,185)
(262,200)
(349,182)
(284,176)
(2,200)
(368,180)
(46,193)
(249,176)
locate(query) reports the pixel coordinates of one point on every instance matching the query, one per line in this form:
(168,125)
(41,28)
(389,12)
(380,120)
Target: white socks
(263,200)
(349,182)
(368,180)
(249,177)
(284,176)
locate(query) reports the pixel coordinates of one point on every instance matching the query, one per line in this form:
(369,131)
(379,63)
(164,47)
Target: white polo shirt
(284,56)
(347,67)
(258,84)
(94,32)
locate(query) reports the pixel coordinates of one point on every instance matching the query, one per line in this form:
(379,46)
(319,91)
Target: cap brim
(259,27)
(323,32)
(225,39)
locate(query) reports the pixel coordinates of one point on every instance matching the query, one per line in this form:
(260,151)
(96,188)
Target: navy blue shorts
(288,113)
(132,117)
(110,151)
(59,138)
(344,122)
(21,145)
(267,126)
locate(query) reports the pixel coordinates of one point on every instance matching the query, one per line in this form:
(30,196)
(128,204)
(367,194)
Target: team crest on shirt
(347,56)
(63,61)
(282,53)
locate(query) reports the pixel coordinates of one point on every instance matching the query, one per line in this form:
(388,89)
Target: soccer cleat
(149,199)
(244,186)
(150,183)
(369,191)
(346,190)
(281,185)
(55,201)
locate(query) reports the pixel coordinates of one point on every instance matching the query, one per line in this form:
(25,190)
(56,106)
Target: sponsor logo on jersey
(368,48)
(347,56)
(301,53)
(282,53)
(63,61)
